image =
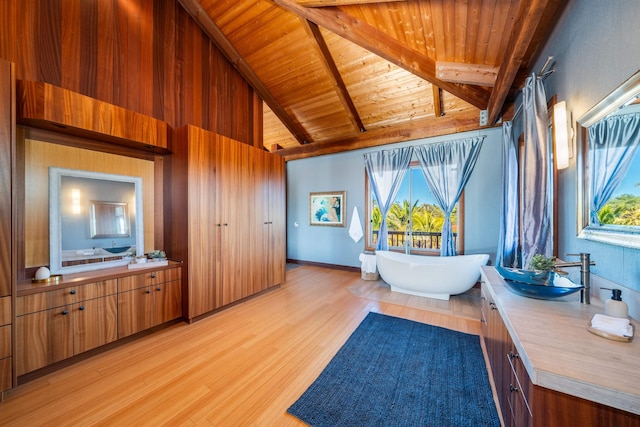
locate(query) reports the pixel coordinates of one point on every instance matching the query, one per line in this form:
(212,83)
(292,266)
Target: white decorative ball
(43,273)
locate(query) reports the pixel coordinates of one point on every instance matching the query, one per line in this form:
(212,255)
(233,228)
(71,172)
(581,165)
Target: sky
(420,189)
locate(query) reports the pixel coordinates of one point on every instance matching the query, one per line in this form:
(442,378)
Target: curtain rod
(543,74)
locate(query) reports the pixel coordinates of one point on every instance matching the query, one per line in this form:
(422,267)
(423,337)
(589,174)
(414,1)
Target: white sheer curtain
(447,167)
(386,170)
(537,185)
(612,146)
(507,254)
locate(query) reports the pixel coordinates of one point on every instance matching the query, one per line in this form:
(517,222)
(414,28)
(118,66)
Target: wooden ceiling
(338,75)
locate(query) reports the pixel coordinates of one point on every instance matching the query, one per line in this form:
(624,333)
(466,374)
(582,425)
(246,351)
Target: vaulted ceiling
(338,75)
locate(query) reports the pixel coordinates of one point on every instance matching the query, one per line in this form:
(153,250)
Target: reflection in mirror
(109,219)
(95,220)
(609,207)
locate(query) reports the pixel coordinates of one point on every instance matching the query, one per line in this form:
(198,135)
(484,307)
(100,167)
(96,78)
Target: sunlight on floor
(463,305)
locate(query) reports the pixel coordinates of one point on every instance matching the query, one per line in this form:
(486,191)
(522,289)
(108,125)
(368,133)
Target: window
(414,219)
(614,127)
(623,208)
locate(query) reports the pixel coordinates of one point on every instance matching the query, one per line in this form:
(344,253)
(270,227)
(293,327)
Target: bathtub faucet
(585,264)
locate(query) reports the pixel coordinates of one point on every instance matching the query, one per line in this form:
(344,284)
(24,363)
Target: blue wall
(596,47)
(345,171)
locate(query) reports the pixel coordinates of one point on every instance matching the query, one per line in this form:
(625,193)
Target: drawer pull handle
(158,288)
(148,291)
(72,291)
(81,307)
(65,312)
(513,389)
(153,275)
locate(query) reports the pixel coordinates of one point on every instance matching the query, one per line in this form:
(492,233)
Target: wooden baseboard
(322,264)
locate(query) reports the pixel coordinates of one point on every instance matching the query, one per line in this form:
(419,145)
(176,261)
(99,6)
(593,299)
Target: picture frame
(328,208)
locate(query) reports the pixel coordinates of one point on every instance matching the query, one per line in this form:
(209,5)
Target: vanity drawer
(46,300)
(148,278)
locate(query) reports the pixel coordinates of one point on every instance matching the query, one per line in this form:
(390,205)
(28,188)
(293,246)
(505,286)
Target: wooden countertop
(27,287)
(559,352)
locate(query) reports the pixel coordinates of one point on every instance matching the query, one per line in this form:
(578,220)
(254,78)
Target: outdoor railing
(419,239)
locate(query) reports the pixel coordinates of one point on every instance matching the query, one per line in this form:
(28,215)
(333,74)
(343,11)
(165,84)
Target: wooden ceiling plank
(386,47)
(473,74)
(333,73)
(196,11)
(325,3)
(527,20)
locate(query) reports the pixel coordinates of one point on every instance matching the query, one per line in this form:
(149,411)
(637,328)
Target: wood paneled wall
(147,56)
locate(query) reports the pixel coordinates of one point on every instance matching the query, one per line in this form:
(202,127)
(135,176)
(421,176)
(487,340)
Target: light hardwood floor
(243,366)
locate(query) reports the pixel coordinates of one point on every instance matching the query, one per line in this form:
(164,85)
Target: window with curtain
(614,177)
(609,168)
(414,218)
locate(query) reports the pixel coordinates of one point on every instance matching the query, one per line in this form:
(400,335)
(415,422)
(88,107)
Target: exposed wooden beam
(472,74)
(425,128)
(385,46)
(196,11)
(333,73)
(323,3)
(527,19)
(437,101)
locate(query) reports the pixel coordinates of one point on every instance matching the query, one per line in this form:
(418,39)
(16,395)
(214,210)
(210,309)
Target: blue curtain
(507,255)
(447,167)
(613,142)
(537,182)
(386,170)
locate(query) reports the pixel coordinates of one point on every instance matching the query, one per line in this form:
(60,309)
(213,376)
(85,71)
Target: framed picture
(328,208)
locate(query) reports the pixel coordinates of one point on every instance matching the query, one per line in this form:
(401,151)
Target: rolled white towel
(612,325)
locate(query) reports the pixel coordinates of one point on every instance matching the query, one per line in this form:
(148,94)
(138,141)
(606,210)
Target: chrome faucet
(585,264)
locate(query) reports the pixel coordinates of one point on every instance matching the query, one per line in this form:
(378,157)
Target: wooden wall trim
(46,106)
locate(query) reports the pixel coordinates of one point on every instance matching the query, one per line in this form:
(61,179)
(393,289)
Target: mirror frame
(613,101)
(55,219)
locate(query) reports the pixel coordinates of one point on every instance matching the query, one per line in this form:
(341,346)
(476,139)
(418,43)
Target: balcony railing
(419,239)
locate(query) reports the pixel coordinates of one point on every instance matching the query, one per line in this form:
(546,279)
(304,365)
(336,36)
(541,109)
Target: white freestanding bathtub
(430,276)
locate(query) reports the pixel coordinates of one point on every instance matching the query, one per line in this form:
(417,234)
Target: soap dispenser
(615,307)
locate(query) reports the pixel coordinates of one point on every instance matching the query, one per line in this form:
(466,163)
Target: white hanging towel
(355,229)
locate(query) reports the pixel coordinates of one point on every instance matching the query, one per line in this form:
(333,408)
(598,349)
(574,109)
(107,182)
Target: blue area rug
(396,372)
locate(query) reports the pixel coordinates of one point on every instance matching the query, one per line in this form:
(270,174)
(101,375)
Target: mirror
(109,219)
(616,115)
(95,220)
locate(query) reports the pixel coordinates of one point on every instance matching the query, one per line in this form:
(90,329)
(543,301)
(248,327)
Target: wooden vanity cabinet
(147,300)
(524,404)
(55,325)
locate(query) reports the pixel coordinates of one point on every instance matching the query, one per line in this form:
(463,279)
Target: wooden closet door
(232,216)
(202,230)
(273,216)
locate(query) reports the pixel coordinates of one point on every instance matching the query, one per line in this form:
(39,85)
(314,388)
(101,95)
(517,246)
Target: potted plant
(540,262)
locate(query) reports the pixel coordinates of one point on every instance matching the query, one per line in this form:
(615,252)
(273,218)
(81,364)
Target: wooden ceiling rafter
(385,46)
(325,3)
(207,24)
(437,101)
(333,73)
(461,122)
(527,19)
